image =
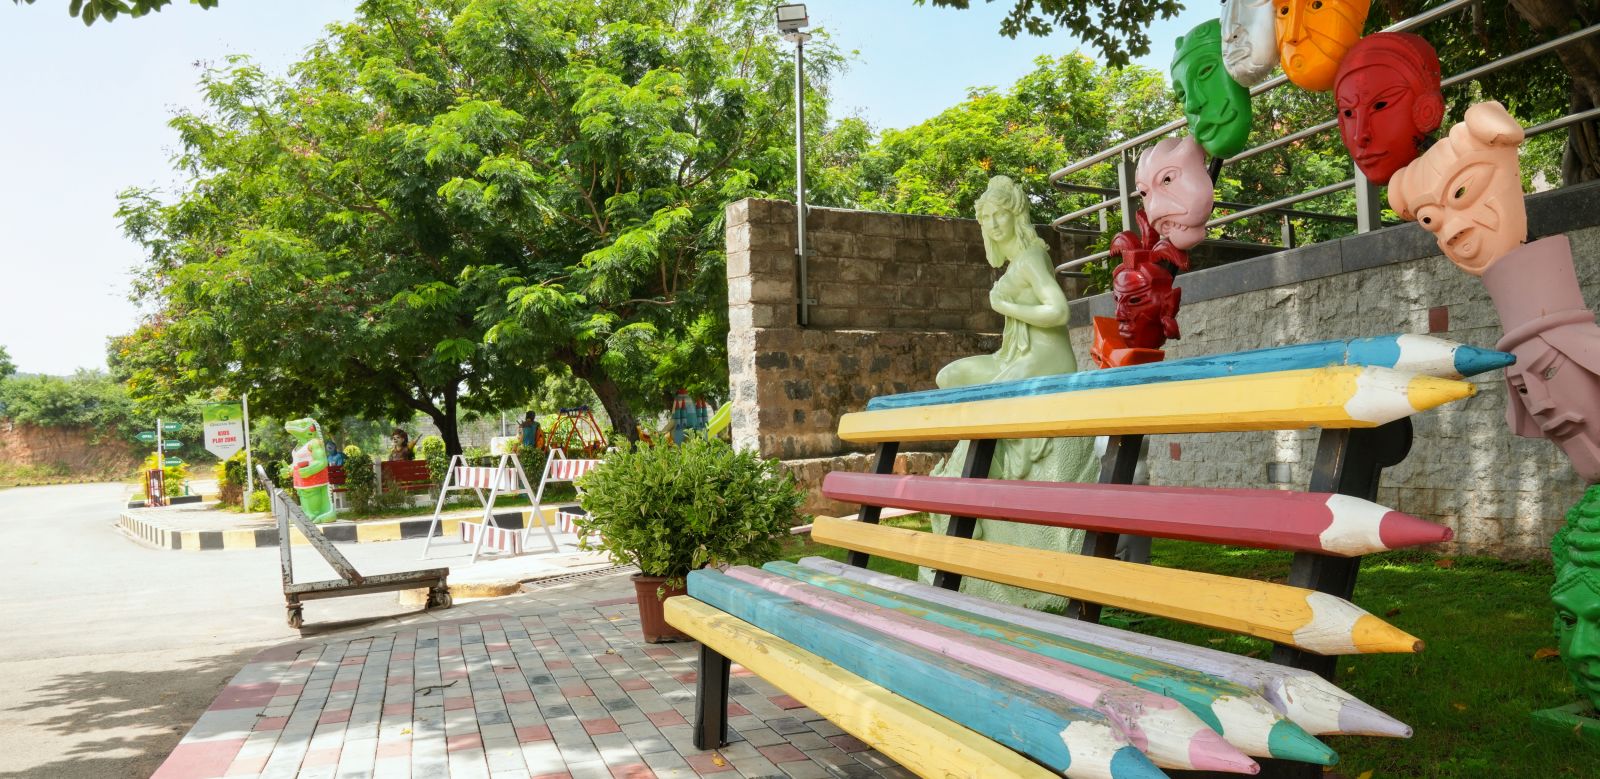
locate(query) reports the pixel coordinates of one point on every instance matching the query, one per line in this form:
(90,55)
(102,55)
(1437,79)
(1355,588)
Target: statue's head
(1576,595)
(1555,393)
(1176,189)
(303,429)
(1467,189)
(1218,108)
(1389,101)
(1002,212)
(1313,36)
(1249,40)
(1145,304)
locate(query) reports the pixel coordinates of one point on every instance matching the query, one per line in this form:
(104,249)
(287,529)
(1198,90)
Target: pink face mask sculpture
(1177,191)
(1467,190)
(1389,101)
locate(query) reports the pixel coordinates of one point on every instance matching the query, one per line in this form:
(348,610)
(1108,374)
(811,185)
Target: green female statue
(311,470)
(1033,342)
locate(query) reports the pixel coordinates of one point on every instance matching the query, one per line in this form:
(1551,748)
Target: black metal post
(883,463)
(1116,467)
(711,700)
(980,456)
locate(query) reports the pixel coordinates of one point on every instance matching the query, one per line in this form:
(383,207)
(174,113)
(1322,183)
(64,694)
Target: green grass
(1468,695)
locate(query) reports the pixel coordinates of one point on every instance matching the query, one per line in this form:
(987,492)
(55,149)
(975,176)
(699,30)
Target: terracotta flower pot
(652,592)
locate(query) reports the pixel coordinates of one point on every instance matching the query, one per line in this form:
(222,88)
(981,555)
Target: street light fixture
(792,20)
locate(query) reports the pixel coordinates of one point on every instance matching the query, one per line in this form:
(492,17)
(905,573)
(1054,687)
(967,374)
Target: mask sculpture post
(1147,303)
(1467,190)
(1249,40)
(1177,191)
(1217,107)
(311,470)
(1389,101)
(1313,36)
(1033,342)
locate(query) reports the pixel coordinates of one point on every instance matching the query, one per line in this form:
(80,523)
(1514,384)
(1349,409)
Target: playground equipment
(575,430)
(720,420)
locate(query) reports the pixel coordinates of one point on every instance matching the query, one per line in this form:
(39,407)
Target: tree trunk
(1581,59)
(623,421)
(447,424)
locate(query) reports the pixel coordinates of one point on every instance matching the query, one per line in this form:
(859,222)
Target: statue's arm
(1051,310)
(319,459)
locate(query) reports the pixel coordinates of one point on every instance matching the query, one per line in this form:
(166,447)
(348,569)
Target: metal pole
(249,468)
(800,39)
(1125,189)
(1369,204)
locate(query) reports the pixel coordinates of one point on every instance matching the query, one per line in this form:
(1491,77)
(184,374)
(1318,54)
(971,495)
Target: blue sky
(88,109)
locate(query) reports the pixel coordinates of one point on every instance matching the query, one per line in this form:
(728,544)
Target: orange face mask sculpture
(1313,36)
(1389,101)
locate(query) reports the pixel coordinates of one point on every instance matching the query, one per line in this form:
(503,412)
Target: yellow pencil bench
(949,685)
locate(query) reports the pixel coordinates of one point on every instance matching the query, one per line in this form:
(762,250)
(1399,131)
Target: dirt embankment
(31,454)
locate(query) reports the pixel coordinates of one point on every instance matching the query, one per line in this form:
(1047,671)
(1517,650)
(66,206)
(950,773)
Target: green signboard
(170,427)
(171,444)
(172,462)
(148,436)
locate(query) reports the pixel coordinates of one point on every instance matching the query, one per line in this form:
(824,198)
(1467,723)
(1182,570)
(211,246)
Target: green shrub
(361,483)
(259,501)
(431,448)
(672,509)
(352,451)
(230,475)
(175,476)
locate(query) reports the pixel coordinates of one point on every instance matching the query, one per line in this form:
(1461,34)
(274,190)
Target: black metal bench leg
(711,700)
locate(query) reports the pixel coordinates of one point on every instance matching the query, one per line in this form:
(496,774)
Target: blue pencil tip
(1130,763)
(1471,360)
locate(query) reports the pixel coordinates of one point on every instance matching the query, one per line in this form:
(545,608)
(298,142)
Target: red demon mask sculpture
(1389,101)
(1147,303)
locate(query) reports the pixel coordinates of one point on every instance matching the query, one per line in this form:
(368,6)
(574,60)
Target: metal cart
(350,581)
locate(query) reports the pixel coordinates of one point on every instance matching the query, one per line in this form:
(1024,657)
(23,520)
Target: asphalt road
(109,649)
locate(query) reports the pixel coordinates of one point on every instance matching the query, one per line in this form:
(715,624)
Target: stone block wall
(1504,496)
(895,298)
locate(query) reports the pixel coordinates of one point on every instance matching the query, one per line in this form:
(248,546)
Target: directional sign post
(171,445)
(148,436)
(172,462)
(170,427)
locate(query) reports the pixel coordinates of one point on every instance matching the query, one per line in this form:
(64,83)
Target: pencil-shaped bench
(1360,393)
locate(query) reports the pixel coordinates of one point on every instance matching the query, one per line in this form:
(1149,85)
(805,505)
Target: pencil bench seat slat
(916,738)
(1419,354)
(1343,397)
(1310,620)
(1265,519)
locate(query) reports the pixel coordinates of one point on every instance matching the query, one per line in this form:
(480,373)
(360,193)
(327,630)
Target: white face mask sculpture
(1249,42)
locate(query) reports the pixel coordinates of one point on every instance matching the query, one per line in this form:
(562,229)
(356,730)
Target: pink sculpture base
(1554,386)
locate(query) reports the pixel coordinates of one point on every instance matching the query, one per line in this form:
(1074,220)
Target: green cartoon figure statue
(1576,594)
(1217,107)
(311,470)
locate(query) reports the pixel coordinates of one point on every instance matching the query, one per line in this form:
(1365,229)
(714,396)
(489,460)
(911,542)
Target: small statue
(1389,101)
(1217,107)
(1576,594)
(400,446)
(1147,303)
(1034,342)
(1249,40)
(1177,191)
(1313,36)
(1467,190)
(311,470)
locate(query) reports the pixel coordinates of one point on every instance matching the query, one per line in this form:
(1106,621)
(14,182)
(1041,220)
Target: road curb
(151,531)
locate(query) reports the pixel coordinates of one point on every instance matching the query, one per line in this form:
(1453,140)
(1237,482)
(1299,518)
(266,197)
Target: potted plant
(671,509)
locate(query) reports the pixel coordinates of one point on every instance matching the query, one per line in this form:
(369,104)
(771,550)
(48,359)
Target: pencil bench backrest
(1229,395)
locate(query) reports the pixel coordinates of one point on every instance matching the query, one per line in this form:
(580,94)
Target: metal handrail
(1429,15)
(1277,205)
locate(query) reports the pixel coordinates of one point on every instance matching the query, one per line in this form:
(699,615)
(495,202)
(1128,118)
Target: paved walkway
(557,682)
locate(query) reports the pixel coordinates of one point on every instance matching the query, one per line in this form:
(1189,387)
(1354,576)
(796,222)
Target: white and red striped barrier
(569,470)
(501,539)
(485,477)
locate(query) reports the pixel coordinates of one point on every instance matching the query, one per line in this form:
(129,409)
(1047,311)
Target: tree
(1535,91)
(90,10)
(448,203)
(1115,28)
(7,367)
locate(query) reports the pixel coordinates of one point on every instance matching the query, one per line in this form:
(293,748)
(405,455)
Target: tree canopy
(1115,28)
(91,10)
(447,203)
(7,367)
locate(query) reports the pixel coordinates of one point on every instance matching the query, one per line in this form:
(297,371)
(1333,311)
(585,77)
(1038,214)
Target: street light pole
(792,19)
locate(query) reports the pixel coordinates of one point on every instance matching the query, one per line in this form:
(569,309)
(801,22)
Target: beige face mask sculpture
(1467,191)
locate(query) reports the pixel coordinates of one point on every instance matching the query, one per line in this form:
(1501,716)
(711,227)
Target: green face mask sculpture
(1218,108)
(1576,594)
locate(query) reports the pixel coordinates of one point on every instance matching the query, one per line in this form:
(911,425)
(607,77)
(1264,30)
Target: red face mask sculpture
(1389,101)
(1147,303)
